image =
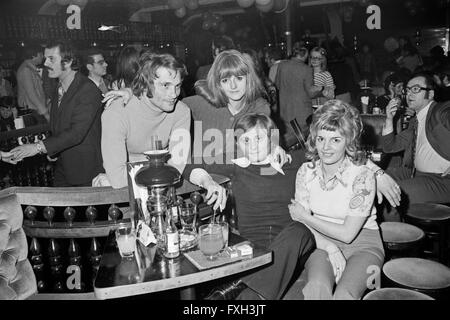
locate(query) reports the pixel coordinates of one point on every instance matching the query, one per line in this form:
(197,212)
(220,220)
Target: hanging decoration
(245,3)
(191,4)
(266,7)
(180,12)
(175,4)
(263,2)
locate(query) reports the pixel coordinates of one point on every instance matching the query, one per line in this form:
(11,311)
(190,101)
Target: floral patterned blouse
(350,192)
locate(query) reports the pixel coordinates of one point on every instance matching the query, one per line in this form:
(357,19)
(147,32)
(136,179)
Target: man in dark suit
(96,66)
(74,120)
(425,174)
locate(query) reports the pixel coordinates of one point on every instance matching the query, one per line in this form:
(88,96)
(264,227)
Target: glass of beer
(211,240)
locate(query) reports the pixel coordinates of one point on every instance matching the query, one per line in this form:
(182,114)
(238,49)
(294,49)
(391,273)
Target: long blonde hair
(230,63)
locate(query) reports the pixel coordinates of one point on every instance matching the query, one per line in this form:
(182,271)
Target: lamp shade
(158,173)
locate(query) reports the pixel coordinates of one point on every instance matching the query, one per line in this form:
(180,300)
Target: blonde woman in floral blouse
(334,197)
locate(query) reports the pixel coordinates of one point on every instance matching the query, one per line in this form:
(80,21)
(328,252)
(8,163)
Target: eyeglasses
(316,58)
(415,89)
(100,62)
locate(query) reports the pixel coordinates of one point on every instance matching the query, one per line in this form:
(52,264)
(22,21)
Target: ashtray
(188,240)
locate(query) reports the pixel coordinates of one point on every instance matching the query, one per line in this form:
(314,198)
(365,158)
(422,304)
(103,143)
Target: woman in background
(322,79)
(127,66)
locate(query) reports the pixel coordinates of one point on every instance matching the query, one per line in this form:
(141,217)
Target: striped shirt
(323,79)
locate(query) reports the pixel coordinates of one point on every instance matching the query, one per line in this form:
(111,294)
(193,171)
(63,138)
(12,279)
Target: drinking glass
(188,232)
(225,231)
(126,240)
(188,217)
(211,240)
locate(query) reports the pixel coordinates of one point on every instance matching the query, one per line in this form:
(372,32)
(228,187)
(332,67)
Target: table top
(148,271)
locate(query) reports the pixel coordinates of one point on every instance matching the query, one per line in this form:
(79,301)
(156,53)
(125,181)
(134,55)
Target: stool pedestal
(434,220)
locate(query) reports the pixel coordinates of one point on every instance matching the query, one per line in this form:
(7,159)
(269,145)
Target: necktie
(415,126)
(60,93)
(102,86)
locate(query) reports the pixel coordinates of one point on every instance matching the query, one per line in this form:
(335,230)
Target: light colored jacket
(30,91)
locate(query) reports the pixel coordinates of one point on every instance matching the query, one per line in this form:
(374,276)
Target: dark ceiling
(394,14)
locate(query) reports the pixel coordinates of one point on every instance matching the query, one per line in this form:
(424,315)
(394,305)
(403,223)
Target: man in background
(273,58)
(294,81)
(219,44)
(96,66)
(30,91)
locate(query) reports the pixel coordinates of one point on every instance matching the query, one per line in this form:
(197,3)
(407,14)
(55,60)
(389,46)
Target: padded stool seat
(401,239)
(396,294)
(400,233)
(429,212)
(423,275)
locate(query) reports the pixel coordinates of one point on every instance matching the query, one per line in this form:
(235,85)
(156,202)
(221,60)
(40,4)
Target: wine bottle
(172,239)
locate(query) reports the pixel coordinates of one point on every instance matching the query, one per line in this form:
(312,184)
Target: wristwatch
(39,148)
(379,173)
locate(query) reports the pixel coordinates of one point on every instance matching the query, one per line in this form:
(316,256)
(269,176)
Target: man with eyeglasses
(425,172)
(96,66)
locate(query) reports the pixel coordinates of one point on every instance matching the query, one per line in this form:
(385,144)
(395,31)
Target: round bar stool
(401,239)
(426,276)
(434,220)
(396,294)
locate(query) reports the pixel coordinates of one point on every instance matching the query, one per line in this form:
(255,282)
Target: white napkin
(244,163)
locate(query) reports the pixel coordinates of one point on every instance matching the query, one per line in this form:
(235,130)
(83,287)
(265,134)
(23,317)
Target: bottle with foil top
(172,239)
